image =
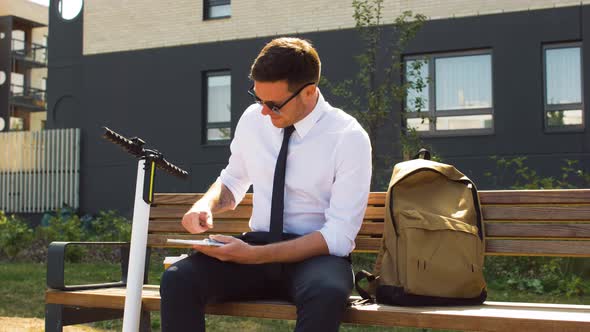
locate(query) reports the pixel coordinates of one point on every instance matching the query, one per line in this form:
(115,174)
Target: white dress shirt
(328,174)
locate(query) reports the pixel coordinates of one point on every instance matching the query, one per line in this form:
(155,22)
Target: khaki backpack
(432,251)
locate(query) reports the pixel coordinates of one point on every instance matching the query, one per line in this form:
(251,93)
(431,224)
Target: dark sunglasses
(272,106)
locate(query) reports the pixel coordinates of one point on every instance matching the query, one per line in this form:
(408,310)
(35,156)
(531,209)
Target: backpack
(432,251)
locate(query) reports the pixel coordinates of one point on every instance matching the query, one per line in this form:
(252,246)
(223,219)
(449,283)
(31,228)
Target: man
(310,167)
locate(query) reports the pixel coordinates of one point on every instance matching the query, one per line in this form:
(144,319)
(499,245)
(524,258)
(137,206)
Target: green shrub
(15,236)
(559,277)
(18,240)
(539,275)
(63,226)
(514,173)
(107,226)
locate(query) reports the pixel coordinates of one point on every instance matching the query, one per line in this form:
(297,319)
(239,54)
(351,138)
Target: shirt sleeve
(235,175)
(349,194)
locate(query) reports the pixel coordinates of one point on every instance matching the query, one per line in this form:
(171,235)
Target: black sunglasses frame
(272,106)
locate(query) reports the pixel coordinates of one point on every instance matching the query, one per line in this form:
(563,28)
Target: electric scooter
(149,160)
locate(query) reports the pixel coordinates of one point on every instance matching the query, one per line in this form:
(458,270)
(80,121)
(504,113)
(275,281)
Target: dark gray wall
(516,41)
(156,94)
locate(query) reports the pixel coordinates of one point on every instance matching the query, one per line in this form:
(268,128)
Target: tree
(371,95)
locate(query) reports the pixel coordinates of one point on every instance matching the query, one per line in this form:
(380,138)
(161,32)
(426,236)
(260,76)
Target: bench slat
(531,230)
(188,198)
(221,226)
(486,317)
(243,212)
(367,244)
(159,240)
(509,247)
(177,211)
(490,212)
(240,226)
(372,228)
(553,196)
(375,198)
(497,229)
(494,246)
(491,316)
(573,212)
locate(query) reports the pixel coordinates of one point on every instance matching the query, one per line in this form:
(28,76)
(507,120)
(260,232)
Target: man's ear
(310,91)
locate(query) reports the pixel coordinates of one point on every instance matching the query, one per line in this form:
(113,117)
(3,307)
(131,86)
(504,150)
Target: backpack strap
(358,277)
(477,205)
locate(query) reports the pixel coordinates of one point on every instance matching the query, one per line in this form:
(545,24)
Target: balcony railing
(27,97)
(34,52)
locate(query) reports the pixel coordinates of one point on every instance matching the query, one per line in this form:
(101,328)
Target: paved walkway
(18,324)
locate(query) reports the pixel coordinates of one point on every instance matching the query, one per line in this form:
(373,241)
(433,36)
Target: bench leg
(53,318)
(145,322)
(57,316)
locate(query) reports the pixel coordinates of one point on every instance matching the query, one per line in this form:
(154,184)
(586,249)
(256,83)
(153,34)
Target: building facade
(23,66)
(38,168)
(505,78)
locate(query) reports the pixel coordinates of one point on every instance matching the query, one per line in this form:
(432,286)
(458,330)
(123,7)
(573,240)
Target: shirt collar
(303,126)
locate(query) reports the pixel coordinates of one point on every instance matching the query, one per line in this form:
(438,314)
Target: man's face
(277,93)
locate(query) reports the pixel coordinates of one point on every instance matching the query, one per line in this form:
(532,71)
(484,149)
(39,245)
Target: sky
(41,2)
(69,9)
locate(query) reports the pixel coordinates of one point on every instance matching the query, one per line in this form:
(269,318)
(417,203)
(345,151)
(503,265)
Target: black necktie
(278,189)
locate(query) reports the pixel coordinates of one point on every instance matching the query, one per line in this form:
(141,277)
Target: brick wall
(36,120)
(24,9)
(114,25)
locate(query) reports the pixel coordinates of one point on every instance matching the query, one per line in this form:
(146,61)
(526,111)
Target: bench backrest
(517,222)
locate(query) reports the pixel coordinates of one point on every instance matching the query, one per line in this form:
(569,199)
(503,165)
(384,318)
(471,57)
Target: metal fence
(39,171)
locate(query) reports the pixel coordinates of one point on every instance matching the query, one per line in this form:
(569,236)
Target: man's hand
(234,250)
(238,251)
(198,219)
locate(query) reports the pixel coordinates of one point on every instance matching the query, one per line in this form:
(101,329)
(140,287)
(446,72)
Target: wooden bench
(517,223)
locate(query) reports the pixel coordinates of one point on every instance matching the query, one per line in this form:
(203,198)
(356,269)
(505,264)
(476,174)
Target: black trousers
(319,287)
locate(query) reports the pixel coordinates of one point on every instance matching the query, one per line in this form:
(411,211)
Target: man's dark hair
(291,59)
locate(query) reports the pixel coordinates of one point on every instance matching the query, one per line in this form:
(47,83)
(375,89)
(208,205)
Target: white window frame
(432,113)
(212,125)
(563,107)
(208,4)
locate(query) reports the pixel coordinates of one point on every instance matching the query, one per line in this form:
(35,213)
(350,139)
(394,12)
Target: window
(216,9)
(563,87)
(69,9)
(17,84)
(18,41)
(17,124)
(41,55)
(218,107)
(450,93)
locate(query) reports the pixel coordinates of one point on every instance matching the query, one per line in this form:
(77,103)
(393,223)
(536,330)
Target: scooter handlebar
(135,147)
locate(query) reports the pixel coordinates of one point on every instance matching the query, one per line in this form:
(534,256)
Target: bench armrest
(56,256)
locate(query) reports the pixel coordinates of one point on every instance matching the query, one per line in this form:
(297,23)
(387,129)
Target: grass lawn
(23,287)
